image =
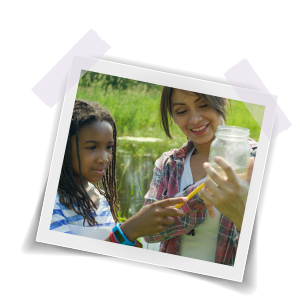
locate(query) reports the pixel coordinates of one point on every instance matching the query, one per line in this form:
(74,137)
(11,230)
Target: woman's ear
(224,102)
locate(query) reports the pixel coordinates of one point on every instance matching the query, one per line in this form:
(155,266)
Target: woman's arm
(229,195)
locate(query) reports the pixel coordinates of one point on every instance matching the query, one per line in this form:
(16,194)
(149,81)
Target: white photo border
(45,235)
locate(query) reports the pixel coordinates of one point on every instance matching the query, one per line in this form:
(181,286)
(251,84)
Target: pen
(194,192)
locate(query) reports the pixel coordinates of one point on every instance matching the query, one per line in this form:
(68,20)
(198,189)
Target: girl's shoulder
(101,195)
(57,204)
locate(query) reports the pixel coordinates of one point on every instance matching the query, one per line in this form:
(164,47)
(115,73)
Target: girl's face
(95,149)
(194,117)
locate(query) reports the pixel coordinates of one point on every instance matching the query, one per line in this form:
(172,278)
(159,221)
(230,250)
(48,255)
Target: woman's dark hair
(217,103)
(71,194)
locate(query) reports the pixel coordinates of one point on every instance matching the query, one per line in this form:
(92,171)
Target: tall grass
(136,111)
(239,115)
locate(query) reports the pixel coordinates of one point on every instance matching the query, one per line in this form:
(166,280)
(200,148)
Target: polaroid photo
(132,95)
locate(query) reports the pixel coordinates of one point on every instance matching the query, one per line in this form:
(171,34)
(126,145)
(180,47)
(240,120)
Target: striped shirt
(68,221)
(167,172)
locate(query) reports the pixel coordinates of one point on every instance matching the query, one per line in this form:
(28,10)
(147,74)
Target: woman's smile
(195,118)
(199,130)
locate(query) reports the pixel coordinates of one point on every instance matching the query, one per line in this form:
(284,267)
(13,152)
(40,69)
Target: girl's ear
(224,102)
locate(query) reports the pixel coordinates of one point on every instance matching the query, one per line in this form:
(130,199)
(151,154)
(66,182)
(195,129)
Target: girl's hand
(152,219)
(138,245)
(229,196)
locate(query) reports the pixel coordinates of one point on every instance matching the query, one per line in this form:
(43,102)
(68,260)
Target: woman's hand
(152,219)
(229,196)
(209,207)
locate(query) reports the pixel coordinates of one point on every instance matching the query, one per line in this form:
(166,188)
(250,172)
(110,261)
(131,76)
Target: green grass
(136,111)
(239,115)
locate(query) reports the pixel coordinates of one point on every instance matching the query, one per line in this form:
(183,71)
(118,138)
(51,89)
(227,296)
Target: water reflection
(135,164)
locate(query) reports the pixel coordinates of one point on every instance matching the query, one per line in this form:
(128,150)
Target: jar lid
(232,131)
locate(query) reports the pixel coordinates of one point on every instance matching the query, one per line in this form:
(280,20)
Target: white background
(193,38)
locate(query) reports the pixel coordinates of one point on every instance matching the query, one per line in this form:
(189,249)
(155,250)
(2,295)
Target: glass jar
(231,143)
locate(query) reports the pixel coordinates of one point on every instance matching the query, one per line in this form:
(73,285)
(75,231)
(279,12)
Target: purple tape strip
(243,74)
(51,88)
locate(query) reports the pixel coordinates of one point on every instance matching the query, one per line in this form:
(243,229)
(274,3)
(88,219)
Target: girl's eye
(92,148)
(203,106)
(109,148)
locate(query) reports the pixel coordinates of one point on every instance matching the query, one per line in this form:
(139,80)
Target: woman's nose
(195,118)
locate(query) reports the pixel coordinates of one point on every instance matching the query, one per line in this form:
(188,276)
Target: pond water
(135,163)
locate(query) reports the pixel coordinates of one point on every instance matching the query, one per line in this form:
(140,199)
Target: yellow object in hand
(193,193)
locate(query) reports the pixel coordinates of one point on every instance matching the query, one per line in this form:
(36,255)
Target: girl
(179,171)
(90,157)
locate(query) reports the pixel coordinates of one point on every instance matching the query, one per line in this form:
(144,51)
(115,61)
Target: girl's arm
(152,219)
(137,244)
(194,209)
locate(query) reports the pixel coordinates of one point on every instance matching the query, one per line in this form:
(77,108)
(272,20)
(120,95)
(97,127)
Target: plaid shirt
(168,169)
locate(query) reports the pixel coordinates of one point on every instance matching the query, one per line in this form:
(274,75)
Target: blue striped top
(63,218)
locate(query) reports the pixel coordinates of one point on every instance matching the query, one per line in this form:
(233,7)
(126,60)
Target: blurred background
(135,108)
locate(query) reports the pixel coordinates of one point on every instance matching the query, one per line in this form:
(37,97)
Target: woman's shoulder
(174,154)
(253,144)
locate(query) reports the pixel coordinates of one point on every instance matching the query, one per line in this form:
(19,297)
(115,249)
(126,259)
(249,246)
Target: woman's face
(194,117)
(95,149)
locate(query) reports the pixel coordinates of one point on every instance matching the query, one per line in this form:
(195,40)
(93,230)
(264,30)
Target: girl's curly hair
(71,194)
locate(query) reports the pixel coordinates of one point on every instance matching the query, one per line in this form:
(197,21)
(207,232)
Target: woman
(179,171)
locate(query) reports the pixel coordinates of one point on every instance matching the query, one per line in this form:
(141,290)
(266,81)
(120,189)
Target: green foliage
(109,82)
(136,112)
(239,115)
(135,107)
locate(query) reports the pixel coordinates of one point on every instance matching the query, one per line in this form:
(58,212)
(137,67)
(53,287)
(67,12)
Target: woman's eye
(92,148)
(181,112)
(203,106)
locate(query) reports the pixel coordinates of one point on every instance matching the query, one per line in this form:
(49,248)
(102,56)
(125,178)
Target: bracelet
(112,238)
(120,236)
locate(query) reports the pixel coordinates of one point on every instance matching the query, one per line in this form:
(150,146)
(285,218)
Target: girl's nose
(102,159)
